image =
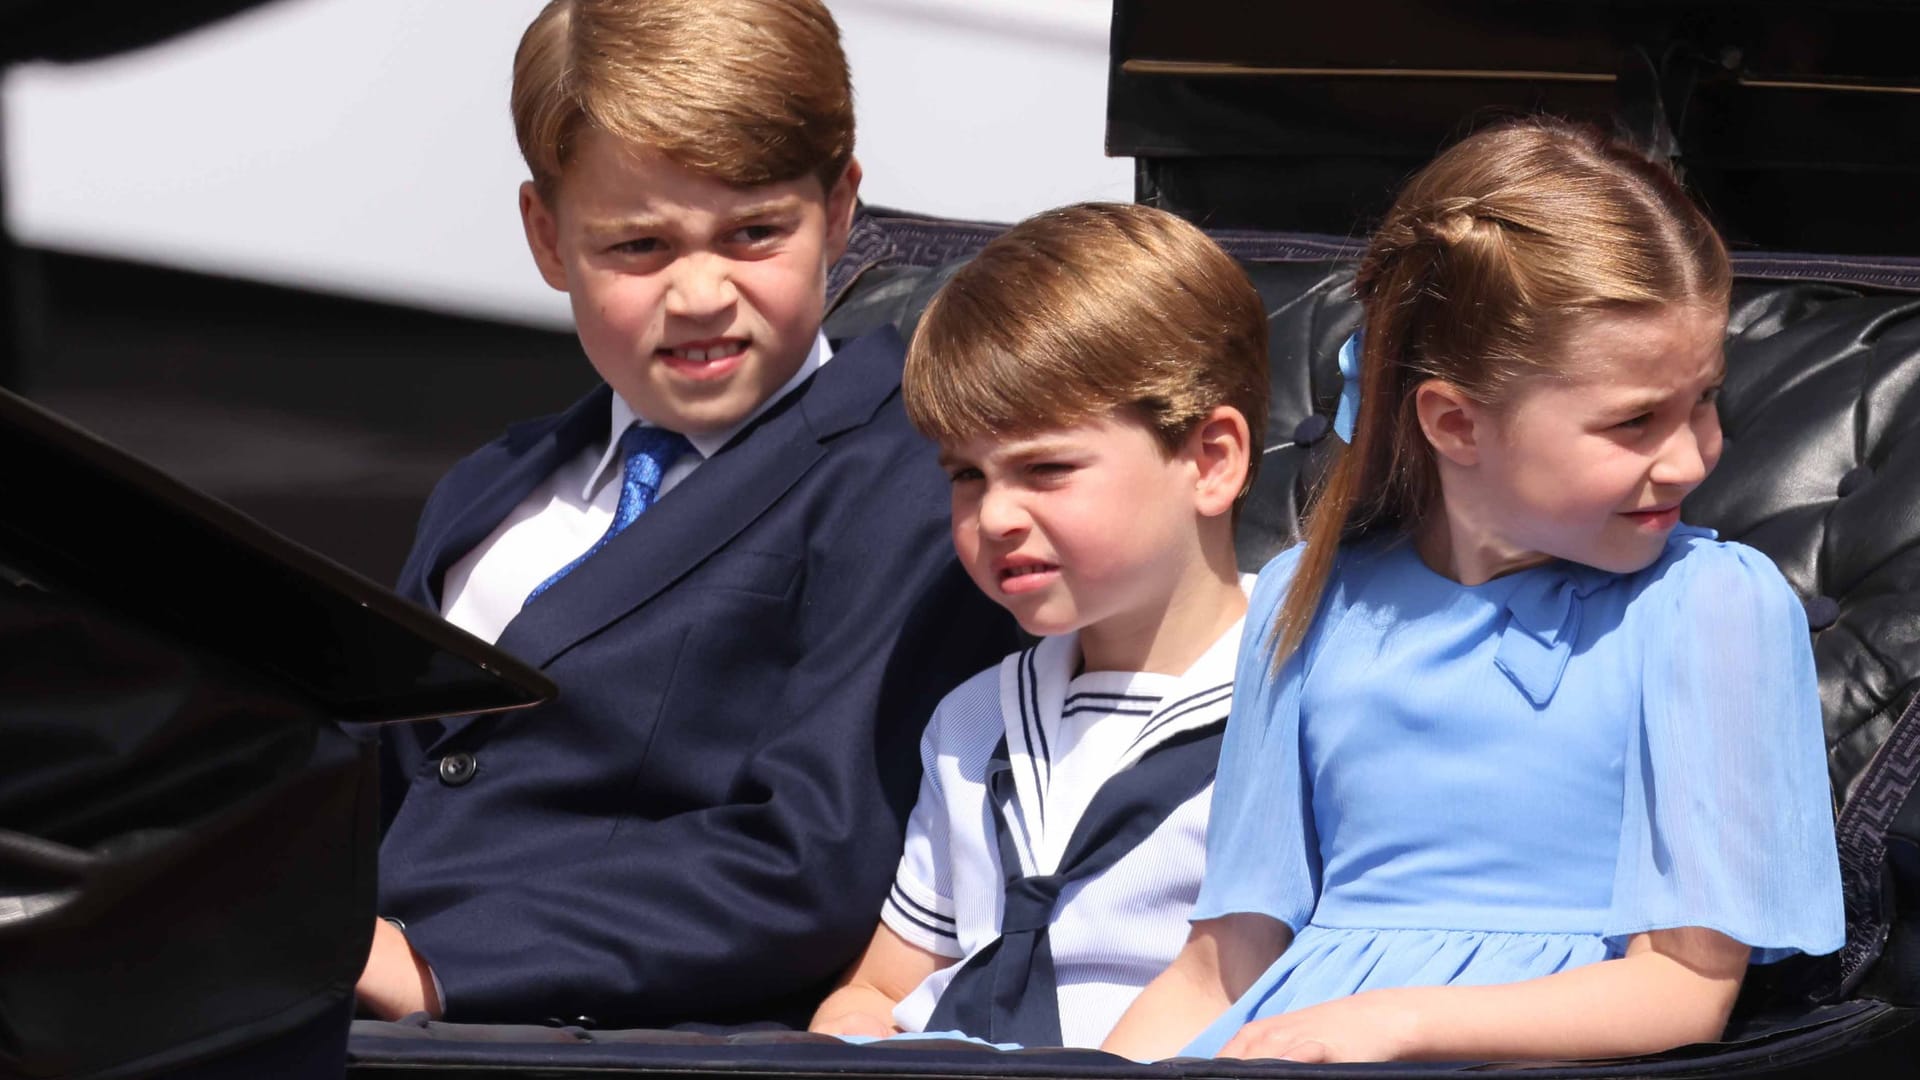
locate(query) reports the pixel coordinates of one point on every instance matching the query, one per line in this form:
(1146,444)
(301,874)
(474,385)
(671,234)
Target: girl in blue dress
(1523,767)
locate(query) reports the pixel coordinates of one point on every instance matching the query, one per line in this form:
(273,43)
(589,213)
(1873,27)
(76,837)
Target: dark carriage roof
(1789,118)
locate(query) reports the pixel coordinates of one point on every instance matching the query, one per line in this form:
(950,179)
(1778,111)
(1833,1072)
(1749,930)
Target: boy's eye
(963,475)
(1049,470)
(644,245)
(1635,423)
(756,234)
(1710,395)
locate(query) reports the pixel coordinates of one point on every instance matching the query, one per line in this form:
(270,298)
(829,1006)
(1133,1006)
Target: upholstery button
(1822,612)
(1311,430)
(1854,477)
(585,1022)
(457,769)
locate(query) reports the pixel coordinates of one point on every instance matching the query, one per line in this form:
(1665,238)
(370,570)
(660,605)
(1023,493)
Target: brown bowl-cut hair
(1490,256)
(747,92)
(1084,313)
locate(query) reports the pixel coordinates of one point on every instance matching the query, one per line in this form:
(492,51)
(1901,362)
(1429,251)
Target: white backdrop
(364,146)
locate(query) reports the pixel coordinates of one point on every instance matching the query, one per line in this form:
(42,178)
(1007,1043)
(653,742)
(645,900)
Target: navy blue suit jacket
(703,825)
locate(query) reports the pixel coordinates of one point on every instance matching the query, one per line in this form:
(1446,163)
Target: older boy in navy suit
(731,557)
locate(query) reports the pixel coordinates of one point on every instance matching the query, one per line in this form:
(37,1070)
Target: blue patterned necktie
(647,453)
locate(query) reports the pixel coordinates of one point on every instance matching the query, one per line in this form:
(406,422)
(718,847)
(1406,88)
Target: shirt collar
(710,443)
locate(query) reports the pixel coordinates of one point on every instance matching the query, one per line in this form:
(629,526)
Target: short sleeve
(919,907)
(1728,820)
(1262,854)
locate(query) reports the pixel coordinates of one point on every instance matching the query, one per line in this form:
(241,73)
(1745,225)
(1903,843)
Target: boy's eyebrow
(624,223)
(779,204)
(1013,450)
(1041,445)
(646,223)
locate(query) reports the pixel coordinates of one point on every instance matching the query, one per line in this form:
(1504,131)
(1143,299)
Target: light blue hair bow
(1349,410)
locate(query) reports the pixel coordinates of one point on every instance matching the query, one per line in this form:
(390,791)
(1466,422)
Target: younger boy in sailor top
(1096,379)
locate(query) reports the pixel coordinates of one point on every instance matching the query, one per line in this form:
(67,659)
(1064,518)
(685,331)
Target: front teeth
(717,352)
(1022,571)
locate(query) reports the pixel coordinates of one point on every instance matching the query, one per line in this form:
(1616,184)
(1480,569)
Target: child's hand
(883,976)
(396,981)
(855,1023)
(1377,1025)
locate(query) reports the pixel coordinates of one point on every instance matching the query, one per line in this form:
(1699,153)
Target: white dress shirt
(567,513)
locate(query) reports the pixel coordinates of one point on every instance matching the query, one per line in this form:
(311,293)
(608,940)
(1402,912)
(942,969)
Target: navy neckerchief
(1007,992)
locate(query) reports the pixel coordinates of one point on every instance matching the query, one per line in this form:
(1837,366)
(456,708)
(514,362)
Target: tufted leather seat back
(1821,412)
(1821,471)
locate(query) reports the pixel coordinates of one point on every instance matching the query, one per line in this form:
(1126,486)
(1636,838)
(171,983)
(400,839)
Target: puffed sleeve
(1262,855)
(1728,819)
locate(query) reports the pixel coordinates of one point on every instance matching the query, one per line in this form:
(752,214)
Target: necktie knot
(646,453)
(1030,902)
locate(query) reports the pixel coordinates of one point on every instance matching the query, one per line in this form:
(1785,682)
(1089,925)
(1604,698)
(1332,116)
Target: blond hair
(747,92)
(1488,258)
(1086,311)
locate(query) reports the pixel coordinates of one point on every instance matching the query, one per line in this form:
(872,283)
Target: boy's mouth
(1027,576)
(707,359)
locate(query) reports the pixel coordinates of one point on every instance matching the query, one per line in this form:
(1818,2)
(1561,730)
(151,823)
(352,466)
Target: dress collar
(1543,621)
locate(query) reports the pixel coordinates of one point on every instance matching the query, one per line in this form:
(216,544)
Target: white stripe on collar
(1201,697)
(707,444)
(1033,684)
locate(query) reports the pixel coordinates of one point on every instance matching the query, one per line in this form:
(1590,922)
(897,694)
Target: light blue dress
(1482,784)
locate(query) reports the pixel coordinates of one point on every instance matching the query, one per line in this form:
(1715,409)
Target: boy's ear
(1454,424)
(842,198)
(1221,447)
(543,236)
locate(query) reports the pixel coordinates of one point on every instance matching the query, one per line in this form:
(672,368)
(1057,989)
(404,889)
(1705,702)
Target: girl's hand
(1672,987)
(1376,1025)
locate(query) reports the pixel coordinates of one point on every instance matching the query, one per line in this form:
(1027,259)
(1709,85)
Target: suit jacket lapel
(688,524)
(711,507)
(544,450)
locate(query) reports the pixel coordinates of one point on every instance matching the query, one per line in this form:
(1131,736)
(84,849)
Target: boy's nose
(1001,514)
(699,285)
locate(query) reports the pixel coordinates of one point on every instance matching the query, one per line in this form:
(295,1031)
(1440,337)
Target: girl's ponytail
(1377,476)
(1487,257)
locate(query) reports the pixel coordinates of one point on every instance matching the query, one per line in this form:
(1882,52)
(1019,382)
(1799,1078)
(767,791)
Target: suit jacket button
(457,769)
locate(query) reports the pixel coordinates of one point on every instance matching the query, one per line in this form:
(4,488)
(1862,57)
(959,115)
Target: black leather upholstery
(1821,413)
(1821,471)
